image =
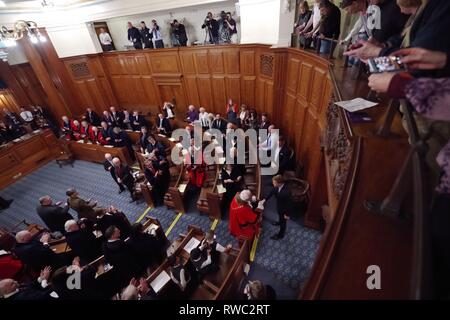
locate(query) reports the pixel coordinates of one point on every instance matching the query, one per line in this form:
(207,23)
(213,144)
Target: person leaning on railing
(429,97)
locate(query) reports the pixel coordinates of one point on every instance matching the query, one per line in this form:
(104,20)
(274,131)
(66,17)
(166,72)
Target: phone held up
(386,64)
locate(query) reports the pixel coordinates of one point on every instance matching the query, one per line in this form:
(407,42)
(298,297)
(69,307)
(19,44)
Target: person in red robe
(244,219)
(76,130)
(85,129)
(196,171)
(95,136)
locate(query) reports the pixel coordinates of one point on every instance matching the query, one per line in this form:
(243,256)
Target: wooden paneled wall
(8,101)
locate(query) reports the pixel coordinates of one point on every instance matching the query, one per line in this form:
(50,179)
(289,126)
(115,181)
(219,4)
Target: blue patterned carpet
(284,264)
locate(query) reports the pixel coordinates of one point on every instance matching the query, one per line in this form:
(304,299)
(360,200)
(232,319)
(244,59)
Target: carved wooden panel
(79,69)
(219,93)
(192,91)
(304,82)
(205,92)
(318,83)
(248,90)
(266,64)
(187,62)
(233,88)
(164,62)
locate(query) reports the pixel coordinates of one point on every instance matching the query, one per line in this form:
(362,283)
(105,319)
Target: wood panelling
(8,101)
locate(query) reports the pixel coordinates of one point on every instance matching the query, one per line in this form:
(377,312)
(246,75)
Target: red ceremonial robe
(243,220)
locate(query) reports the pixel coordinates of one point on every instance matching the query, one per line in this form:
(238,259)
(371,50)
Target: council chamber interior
(224,150)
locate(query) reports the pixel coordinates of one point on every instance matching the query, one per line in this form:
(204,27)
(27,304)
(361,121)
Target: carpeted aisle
(284,264)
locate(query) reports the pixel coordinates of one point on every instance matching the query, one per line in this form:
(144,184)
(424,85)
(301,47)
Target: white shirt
(203,117)
(26,116)
(105,38)
(316,15)
(156,35)
(169,113)
(242,115)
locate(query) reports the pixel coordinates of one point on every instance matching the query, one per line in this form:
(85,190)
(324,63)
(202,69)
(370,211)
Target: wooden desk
(34,150)
(96,153)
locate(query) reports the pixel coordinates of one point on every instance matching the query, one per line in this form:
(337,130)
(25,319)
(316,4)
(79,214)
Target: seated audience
(106,133)
(85,209)
(82,241)
(53,215)
(192,114)
(92,117)
(96,137)
(36,253)
(117,117)
(137,121)
(108,119)
(67,127)
(154,146)
(28,118)
(38,290)
(85,130)
(163,125)
(76,130)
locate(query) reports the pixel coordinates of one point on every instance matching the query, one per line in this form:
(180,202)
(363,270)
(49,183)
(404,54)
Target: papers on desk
(16,140)
(182,187)
(172,139)
(80,141)
(192,244)
(356,104)
(152,229)
(89,142)
(221,188)
(161,135)
(160,281)
(108,146)
(3,252)
(37,131)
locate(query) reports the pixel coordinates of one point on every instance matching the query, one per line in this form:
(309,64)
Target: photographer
(146,36)
(157,35)
(212,28)
(179,33)
(231,24)
(224,31)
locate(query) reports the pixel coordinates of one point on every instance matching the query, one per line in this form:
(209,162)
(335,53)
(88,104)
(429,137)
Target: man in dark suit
(106,133)
(82,241)
(143,139)
(125,176)
(36,254)
(285,158)
(146,36)
(134,36)
(137,121)
(163,125)
(120,139)
(107,119)
(118,254)
(112,217)
(284,204)
(219,124)
(92,117)
(264,123)
(109,166)
(53,215)
(37,290)
(117,117)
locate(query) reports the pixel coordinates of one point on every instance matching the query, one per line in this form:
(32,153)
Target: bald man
(36,254)
(36,290)
(53,215)
(124,176)
(109,166)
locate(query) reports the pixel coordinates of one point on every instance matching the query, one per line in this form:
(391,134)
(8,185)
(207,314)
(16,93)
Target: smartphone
(386,64)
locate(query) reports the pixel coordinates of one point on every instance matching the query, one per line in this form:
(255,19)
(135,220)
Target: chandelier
(9,37)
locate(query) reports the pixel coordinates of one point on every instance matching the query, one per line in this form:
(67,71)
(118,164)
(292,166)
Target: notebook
(182,187)
(192,244)
(160,281)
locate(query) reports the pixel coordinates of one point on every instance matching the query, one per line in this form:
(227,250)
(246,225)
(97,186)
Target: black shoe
(275,223)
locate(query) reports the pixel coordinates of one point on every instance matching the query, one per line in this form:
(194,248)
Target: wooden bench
(96,153)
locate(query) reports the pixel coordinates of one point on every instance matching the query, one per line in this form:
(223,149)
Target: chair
(66,156)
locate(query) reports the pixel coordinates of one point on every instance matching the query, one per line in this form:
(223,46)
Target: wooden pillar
(7,76)
(52,75)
